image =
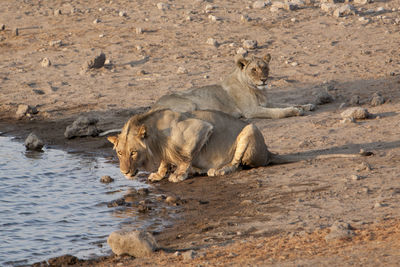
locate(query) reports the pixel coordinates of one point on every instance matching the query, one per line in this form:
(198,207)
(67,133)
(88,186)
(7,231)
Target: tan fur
(197,142)
(241,94)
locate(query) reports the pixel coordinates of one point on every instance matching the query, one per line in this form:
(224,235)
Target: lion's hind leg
(250,151)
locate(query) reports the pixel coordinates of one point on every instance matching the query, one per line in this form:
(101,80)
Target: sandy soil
(278,215)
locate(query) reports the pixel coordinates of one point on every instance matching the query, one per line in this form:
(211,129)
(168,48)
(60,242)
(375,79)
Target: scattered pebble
(189,255)
(328,7)
(294,64)
(364,166)
(162,6)
(139,31)
(241,51)
(45,62)
(106,179)
(345,10)
(250,44)
(363,2)
(355,177)
(246,202)
(259,4)
(25,110)
(209,7)
(96,21)
(214,18)
(2,27)
(244,18)
(213,42)
(377,100)
(122,14)
(355,113)
(339,231)
(96,63)
(32,142)
(55,43)
(16,32)
(171,200)
(182,70)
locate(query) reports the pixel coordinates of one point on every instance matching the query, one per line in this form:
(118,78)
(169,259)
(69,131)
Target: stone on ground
(134,243)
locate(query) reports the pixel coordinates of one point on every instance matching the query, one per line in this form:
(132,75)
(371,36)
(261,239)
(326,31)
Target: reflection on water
(52,203)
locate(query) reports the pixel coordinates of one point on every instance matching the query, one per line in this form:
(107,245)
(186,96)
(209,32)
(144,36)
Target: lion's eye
(119,153)
(253,70)
(133,153)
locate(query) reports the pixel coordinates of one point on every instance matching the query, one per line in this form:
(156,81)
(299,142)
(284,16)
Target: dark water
(52,204)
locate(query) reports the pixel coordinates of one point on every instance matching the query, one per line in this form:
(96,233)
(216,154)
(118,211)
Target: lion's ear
(267,58)
(113,139)
(241,62)
(142,132)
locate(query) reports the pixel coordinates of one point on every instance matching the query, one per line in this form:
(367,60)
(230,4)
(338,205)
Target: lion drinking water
(241,94)
(199,142)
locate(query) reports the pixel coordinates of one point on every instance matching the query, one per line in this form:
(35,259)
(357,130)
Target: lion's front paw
(212,172)
(175,178)
(155,177)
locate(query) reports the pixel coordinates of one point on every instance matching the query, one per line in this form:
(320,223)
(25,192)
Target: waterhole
(52,203)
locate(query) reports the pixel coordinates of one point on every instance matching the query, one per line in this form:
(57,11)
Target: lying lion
(196,142)
(241,94)
(203,142)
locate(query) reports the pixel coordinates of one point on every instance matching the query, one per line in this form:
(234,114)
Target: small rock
(189,255)
(106,179)
(213,42)
(82,126)
(364,20)
(96,21)
(364,166)
(122,14)
(339,231)
(16,32)
(378,205)
(139,31)
(363,2)
(214,18)
(356,113)
(377,100)
(209,7)
(345,10)
(355,177)
(347,120)
(250,44)
(294,64)
(25,110)
(354,100)
(171,200)
(259,4)
(162,6)
(244,18)
(45,62)
(117,203)
(32,142)
(246,202)
(57,12)
(182,70)
(328,7)
(380,9)
(96,63)
(56,43)
(323,97)
(135,243)
(2,27)
(241,51)
(177,254)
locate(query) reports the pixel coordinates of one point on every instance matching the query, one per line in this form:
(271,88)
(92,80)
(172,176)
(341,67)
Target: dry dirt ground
(278,215)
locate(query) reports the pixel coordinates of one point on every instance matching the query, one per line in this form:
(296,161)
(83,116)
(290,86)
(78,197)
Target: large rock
(82,126)
(134,243)
(32,142)
(25,110)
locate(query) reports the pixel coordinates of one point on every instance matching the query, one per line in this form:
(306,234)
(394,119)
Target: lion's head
(254,71)
(131,148)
